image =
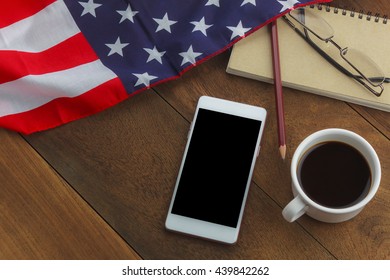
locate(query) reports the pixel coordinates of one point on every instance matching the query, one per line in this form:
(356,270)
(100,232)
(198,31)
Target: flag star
(238,30)
(201,26)
(212,2)
(154,54)
(117,47)
(287,4)
(127,14)
(164,23)
(253,2)
(189,56)
(144,79)
(89,7)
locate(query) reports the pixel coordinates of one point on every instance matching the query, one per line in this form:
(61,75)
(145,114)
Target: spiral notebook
(304,69)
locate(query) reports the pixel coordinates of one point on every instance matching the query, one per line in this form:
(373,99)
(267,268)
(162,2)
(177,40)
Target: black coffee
(334,174)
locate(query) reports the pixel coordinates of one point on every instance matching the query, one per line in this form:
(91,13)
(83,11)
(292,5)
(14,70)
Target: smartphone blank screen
(216,169)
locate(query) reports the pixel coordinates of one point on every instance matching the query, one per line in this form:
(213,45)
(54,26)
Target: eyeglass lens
(314,23)
(356,60)
(365,65)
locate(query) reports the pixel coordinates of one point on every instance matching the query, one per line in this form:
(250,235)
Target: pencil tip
(282,150)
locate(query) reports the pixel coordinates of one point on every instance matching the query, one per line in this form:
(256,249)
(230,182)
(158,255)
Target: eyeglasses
(367,72)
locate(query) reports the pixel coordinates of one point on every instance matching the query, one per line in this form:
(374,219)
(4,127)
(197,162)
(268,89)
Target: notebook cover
(304,69)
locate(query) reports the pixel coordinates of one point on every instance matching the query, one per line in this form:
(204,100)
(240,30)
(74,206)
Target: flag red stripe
(14,10)
(63,110)
(14,64)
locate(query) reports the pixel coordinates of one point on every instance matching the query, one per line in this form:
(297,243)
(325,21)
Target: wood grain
(42,217)
(121,165)
(129,158)
(304,113)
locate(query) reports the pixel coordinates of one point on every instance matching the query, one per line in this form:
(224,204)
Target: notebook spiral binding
(352,13)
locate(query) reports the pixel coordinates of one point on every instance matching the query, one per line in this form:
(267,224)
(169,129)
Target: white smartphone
(216,170)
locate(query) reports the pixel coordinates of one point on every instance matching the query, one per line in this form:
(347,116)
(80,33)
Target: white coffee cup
(302,204)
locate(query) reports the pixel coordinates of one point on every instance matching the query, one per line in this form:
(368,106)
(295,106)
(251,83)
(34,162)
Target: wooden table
(99,188)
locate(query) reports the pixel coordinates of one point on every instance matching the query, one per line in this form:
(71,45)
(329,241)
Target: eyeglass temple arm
(332,61)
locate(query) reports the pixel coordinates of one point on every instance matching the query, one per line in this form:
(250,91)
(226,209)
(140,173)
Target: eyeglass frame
(362,79)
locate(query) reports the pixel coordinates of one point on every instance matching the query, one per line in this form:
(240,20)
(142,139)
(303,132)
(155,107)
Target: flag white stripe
(31,91)
(45,29)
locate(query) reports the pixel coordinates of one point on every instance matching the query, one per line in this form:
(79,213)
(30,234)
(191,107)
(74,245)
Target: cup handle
(296,208)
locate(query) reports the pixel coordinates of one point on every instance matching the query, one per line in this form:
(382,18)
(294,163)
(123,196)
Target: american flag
(66,59)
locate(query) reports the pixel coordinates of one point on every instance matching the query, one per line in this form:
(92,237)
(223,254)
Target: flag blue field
(64,60)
